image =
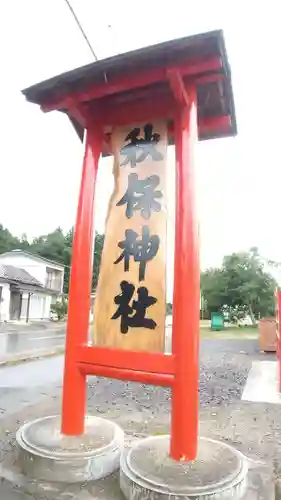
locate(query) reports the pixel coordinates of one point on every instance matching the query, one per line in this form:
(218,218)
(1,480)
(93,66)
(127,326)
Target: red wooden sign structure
(187,82)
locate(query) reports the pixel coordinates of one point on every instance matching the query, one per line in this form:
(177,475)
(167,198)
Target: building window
(53,280)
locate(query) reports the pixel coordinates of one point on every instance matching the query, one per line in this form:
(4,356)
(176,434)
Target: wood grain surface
(107,330)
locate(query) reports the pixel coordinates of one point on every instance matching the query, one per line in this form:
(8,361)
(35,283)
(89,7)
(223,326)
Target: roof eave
(55,92)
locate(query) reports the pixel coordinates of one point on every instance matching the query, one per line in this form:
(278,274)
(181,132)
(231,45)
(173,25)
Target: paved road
(19,342)
(16,343)
(33,374)
(224,366)
(27,383)
(214,353)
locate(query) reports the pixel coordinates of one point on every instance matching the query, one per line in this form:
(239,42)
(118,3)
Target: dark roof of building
(17,275)
(215,98)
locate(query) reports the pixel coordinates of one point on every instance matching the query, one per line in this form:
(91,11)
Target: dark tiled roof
(215,99)
(11,273)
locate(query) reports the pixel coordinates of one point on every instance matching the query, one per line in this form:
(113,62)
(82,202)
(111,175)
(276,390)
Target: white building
(28,285)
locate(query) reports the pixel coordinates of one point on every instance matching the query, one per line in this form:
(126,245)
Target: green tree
(99,242)
(8,242)
(241,285)
(68,240)
(24,243)
(98,247)
(213,289)
(50,246)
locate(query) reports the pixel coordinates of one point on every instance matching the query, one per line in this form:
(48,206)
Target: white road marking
(21,333)
(44,338)
(262,385)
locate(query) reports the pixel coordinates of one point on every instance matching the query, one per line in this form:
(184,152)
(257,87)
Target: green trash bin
(217,321)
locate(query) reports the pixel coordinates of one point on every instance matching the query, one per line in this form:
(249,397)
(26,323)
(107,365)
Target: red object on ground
(279,334)
(187,82)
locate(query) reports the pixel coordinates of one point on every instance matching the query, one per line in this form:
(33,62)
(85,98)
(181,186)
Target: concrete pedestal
(147,472)
(47,455)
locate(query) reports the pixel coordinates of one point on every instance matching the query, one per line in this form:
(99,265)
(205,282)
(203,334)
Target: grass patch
(32,357)
(231,332)
(160,432)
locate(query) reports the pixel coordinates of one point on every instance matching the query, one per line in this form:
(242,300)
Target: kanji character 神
(142,250)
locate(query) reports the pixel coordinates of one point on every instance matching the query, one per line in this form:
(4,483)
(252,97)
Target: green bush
(169,308)
(60,309)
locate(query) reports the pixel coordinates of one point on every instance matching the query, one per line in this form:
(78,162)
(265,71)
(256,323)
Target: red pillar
(186,308)
(74,387)
(279,336)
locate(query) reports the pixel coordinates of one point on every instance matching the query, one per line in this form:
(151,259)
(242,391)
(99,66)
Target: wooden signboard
(130,305)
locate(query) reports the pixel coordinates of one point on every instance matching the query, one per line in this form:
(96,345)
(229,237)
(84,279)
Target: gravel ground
(141,410)
(224,367)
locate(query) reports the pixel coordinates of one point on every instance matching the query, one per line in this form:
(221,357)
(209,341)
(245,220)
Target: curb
(31,357)
(28,331)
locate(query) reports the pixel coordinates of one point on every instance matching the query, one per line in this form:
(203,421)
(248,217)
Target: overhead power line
(81,29)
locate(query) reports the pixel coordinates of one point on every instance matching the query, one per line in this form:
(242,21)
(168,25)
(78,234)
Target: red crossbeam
(133,81)
(161,379)
(119,358)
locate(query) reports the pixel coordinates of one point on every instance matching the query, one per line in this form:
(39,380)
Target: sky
(238,179)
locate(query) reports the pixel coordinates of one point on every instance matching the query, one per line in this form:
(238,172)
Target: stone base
(147,472)
(47,455)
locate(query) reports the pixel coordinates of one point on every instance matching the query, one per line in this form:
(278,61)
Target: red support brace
(128,360)
(177,87)
(74,386)
(142,376)
(185,341)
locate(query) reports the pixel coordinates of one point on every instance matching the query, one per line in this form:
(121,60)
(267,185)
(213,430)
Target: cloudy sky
(239,180)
